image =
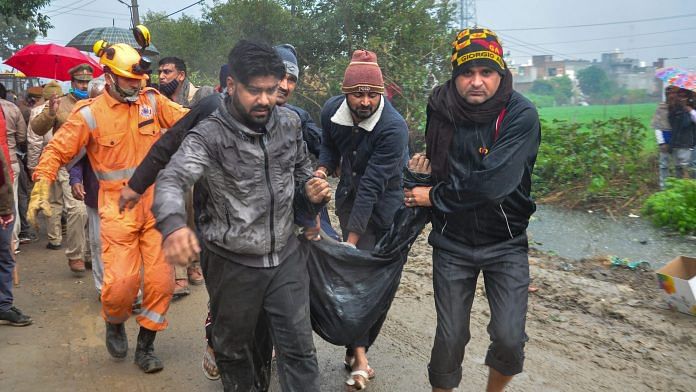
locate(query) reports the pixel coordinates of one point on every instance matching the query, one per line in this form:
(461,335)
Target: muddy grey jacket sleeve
(186,166)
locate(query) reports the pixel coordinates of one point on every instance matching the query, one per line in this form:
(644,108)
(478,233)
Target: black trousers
(24,187)
(505,268)
(367,241)
(241,299)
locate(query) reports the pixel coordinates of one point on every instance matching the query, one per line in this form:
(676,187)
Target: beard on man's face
(282,96)
(257,115)
(362,112)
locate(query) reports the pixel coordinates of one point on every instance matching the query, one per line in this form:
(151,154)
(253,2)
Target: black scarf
(447,110)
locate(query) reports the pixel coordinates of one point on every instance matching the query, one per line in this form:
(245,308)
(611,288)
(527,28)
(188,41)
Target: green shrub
(674,207)
(598,160)
(541,101)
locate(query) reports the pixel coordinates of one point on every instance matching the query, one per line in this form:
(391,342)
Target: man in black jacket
(311,133)
(369,139)
(482,140)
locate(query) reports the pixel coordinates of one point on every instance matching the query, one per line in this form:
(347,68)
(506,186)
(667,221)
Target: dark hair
(179,64)
(3,91)
(250,59)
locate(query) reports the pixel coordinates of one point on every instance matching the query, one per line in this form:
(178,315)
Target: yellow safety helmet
(122,60)
(142,36)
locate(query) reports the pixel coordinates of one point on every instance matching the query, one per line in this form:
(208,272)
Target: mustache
(283,91)
(260,107)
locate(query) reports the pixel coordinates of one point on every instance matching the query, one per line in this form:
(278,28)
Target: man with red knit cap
(368,138)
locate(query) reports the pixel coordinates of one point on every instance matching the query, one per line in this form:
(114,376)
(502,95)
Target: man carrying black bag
(249,147)
(369,138)
(482,141)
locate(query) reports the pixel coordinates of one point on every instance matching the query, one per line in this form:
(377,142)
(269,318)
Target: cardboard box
(677,279)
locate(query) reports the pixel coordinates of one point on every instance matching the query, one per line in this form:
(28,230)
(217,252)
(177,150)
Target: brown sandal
(359,378)
(210,368)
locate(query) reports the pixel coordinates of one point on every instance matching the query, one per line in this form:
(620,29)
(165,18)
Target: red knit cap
(363,74)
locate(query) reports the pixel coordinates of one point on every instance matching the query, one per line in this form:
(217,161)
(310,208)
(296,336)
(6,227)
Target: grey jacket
(253,182)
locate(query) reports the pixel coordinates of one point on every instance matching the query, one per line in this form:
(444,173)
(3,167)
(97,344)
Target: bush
(588,162)
(674,207)
(541,101)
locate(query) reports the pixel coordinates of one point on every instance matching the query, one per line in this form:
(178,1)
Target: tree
(411,39)
(594,82)
(14,35)
(562,89)
(542,87)
(27,11)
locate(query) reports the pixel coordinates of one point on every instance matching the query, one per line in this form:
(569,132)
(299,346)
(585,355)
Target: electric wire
(72,9)
(598,24)
(63,7)
(176,12)
(615,37)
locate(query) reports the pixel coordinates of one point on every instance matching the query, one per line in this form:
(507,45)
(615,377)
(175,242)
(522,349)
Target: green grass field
(585,114)
(643,112)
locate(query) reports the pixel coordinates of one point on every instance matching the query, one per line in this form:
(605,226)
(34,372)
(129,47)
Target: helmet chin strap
(122,93)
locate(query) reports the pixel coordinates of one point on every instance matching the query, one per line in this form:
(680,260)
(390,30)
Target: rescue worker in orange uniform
(116,130)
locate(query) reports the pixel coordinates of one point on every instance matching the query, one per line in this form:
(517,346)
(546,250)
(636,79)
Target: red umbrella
(50,61)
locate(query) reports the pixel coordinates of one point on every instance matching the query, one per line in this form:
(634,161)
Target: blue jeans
(7,264)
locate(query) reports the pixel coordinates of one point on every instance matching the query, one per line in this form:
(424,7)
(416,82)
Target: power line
(599,24)
(130,10)
(98,16)
(176,12)
(90,11)
(532,46)
(64,6)
(615,37)
(73,9)
(637,48)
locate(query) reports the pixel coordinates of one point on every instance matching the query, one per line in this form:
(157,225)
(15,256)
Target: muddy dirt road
(590,329)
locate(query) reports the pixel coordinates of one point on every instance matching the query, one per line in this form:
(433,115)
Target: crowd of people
(158,188)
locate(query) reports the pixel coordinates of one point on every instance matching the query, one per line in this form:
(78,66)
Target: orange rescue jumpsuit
(116,137)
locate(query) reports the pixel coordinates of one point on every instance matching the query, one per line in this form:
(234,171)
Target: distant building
(629,73)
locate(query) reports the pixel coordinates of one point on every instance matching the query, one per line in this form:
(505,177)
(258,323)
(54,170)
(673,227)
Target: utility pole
(467,13)
(134,12)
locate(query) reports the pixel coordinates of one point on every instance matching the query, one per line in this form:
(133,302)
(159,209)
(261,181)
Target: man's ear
(231,85)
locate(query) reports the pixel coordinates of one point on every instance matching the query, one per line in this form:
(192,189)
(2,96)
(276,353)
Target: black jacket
(486,197)
(683,129)
(372,164)
(161,152)
(311,133)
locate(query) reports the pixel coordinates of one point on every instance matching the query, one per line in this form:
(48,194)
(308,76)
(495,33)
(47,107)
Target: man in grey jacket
(253,166)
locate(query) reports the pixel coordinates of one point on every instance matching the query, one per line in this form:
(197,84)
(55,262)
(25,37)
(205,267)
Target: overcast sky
(642,29)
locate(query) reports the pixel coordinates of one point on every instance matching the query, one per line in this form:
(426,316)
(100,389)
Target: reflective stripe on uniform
(153,102)
(73,162)
(86,113)
(123,174)
(92,122)
(152,316)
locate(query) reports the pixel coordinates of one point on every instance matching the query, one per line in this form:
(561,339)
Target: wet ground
(591,329)
(582,234)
